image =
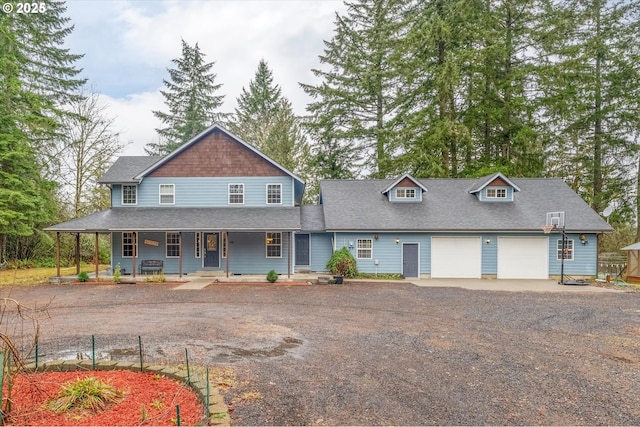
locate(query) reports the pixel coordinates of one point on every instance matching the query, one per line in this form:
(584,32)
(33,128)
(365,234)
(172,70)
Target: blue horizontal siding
(208,192)
(585,257)
(320,251)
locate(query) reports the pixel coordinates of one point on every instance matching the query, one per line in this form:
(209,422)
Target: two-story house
(217,203)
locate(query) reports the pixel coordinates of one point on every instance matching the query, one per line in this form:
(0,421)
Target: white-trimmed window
(364,249)
(129,194)
(568,250)
(167,194)
(236,194)
(405,193)
(129,244)
(198,244)
(496,193)
(173,244)
(273,243)
(274,194)
(223,239)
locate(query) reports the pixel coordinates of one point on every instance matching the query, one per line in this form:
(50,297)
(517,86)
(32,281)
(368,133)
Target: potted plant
(342,264)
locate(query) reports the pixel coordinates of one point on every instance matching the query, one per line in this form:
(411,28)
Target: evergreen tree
(355,106)
(23,194)
(265,119)
(191,98)
(592,88)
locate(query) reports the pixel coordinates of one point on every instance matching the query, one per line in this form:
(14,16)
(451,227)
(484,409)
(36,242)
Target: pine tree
(355,106)
(191,98)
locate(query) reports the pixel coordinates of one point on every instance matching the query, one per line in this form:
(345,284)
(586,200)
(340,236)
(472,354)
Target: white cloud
(129,44)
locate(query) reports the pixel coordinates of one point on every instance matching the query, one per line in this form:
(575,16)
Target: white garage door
(523,258)
(456,257)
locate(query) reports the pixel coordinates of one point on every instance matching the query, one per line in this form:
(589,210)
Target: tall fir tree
(355,105)
(191,99)
(592,103)
(265,119)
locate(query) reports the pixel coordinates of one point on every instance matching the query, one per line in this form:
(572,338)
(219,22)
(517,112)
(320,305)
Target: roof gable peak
(402,178)
(483,182)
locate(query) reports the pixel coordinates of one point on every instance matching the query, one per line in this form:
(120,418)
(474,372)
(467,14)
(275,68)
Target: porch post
(289,255)
(134,238)
(58,254)
(96,255)
(77,253)
(226,249)
(180,249)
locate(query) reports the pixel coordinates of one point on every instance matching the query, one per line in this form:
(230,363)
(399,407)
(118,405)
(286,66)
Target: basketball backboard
(555,219)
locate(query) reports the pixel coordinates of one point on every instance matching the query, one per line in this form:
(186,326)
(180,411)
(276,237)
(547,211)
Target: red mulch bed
(127,282)
(150,399)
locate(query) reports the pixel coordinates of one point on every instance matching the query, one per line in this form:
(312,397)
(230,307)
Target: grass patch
(33,276)
(380,276)
(87,394)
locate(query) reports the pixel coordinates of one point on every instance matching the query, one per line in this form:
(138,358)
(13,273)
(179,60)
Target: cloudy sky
(128,46)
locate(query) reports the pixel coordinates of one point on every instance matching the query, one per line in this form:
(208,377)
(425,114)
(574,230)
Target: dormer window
(496,193)
(405,193)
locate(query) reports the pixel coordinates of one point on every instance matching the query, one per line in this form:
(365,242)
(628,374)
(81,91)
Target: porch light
(488,241)
(397,240)
(583,239)
(375,236)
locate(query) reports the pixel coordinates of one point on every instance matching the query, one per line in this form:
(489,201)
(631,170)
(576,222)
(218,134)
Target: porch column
(289,255)
(180,258)
(58,254)
(134,237)
(77,253)
(96,256)
(226,250)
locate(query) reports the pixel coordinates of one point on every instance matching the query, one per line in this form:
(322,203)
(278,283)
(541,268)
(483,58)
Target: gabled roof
(633,247)
(402,178)
(481,183)
(125,169)
(202,135)
(353,205)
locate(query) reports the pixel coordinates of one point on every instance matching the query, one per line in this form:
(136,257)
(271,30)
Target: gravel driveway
(374,354)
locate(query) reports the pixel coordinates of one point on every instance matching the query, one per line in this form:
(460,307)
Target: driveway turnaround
(371,353)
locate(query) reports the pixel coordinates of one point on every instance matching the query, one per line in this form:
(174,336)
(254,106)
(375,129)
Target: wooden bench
(151,265)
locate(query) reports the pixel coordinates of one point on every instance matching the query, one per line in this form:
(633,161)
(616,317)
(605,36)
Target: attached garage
(456,257)
(523,258)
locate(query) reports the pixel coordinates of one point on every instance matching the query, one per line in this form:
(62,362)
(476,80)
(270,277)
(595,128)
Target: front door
(410,257)
(211,250)
(302,249)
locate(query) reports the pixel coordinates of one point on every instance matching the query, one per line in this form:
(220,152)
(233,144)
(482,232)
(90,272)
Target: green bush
(272,276)
(342,263)
(83,276)
(117,273)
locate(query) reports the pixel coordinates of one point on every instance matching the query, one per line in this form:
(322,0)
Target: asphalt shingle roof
(448,206)
(186,219)
(312,218)
(126,168)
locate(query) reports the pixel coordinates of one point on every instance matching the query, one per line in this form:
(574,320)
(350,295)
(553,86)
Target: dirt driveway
(374,354)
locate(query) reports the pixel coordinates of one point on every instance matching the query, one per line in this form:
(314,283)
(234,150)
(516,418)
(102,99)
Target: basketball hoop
(547,228)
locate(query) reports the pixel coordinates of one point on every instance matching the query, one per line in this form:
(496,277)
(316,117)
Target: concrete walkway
(515,285)
(512,285)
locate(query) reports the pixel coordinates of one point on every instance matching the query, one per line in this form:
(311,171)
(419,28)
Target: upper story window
(236,194)
(167,194)
(364,249)
(496,193)
(274,194)
(405,193)
(129,194)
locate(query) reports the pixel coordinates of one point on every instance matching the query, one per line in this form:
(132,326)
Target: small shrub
(83,276)
(85,394)
(117,273)
(156,277)
(272,276)
(342,263)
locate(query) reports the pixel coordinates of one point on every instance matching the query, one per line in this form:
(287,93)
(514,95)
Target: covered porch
(189,240)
